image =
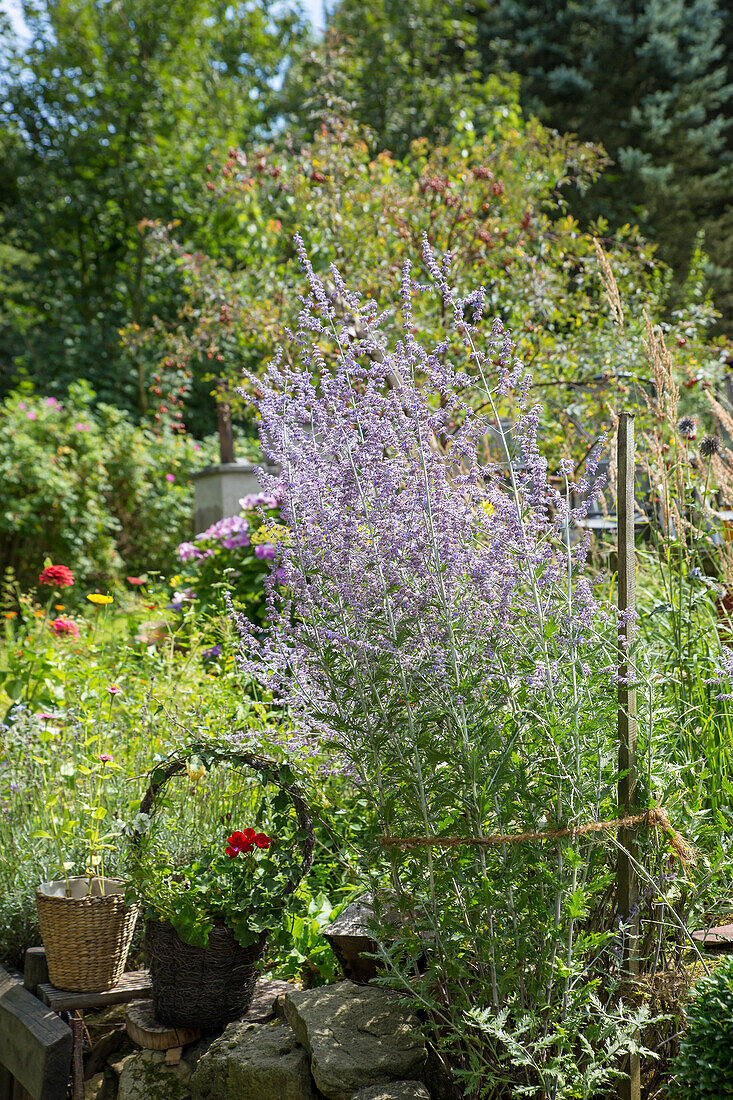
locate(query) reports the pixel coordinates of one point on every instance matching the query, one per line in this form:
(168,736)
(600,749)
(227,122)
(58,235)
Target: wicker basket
(86,933)
(203,987)
(208,987)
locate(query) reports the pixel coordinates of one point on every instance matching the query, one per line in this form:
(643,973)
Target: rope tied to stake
(655,818)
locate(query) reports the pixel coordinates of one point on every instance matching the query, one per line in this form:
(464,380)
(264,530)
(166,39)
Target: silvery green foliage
(431,619)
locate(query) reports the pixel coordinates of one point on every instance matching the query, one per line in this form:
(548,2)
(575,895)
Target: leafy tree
(648,81)
(403,69)
(495,201)
(108,117)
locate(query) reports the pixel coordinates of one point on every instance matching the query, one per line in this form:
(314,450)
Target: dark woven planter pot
(202,987)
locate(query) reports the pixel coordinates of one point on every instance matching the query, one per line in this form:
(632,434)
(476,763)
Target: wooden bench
(35,1045)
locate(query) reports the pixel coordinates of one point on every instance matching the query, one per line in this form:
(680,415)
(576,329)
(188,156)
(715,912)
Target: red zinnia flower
(59,576)
(62,628)
(135,580)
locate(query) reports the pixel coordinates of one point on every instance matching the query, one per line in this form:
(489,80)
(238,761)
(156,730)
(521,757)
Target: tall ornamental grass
(431,619)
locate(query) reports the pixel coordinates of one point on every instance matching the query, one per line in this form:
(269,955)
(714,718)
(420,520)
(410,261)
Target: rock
(106,1031)
(397,1090)
(192,1054)
(145,1076)
(357,1036)
(254,1062)
(351,942)
(118,1061)
(266,994)
(96,1087)
(98,1024)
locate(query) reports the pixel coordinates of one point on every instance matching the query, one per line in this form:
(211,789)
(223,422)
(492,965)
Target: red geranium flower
(63,628)
(58,576)
(243,841)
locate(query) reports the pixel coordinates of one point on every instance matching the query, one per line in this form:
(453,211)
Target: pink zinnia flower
(64,628)
(82,427)
(57,576)
(53,403)
(31,415)
(105,758)
(114,690)
(170,477)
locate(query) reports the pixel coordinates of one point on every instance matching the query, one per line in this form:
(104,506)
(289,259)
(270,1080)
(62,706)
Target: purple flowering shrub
(432,622)
(233,555)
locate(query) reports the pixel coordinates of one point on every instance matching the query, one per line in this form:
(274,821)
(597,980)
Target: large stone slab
(254,1062)
(397,1090)
(146,1076)
(357,1036)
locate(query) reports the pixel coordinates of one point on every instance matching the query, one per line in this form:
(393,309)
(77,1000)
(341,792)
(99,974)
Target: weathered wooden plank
(35,969)
(132,986)
(35,1045)
(6,1084)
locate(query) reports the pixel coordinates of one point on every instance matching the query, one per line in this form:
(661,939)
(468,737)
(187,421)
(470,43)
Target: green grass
(64,808)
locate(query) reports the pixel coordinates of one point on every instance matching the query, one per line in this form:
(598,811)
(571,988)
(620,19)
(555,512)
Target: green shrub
(86,486)
(704,1065)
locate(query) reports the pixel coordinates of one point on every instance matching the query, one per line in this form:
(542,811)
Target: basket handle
(164,772)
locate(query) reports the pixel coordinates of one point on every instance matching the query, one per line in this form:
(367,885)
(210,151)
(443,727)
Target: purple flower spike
(427,566)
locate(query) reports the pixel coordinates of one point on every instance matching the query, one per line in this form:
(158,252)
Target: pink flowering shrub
(233,555)
(85,485)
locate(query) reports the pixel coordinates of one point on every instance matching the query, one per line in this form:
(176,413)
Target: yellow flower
(270,532)
(195,769)
(98,598)
(488,507)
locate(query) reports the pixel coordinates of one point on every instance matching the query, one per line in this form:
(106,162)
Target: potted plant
(86,924)
(87,928)
(208,916)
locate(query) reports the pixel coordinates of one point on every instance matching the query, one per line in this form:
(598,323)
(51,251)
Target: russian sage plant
(430,617)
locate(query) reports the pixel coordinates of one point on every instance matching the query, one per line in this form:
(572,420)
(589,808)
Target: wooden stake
(627,886)
(224,423)
(77,1058)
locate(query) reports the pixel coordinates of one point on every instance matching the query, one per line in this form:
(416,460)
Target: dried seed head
(687,427)
(709,446)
